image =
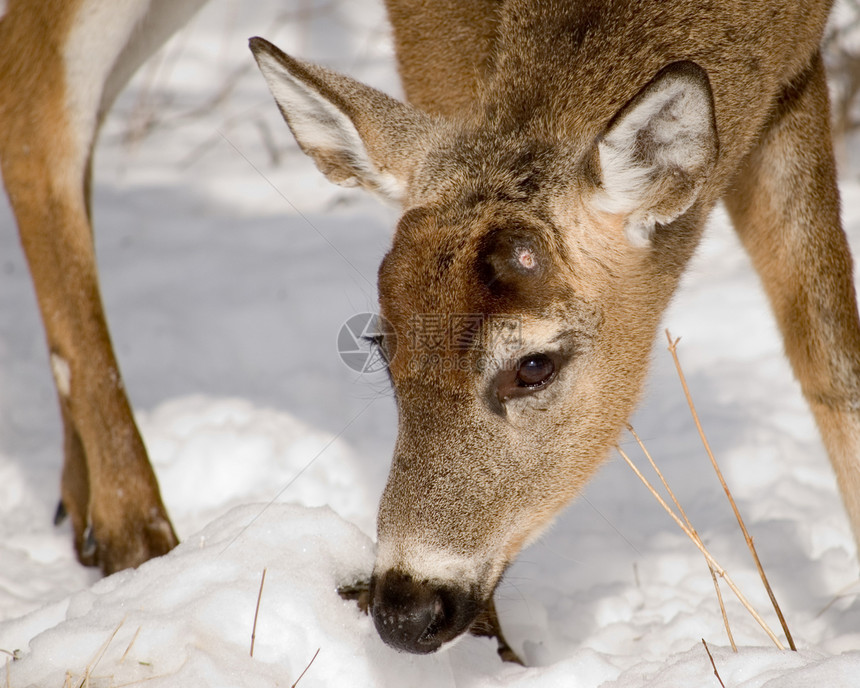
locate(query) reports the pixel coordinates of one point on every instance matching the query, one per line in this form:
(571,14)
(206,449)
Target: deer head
(524,284)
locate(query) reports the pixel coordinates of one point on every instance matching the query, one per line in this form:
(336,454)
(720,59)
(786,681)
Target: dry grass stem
(306,668)
(693,530)
(93,663)
(660,475)
(722,608)
(257,612)
(130,644)
(138,681)
(711,657)
(698,542)
(673,345)
(845,591)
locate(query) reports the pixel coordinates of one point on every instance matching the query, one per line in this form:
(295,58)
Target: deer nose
(419,616)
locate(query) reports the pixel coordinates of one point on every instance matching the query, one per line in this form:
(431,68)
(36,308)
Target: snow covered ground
(226,279)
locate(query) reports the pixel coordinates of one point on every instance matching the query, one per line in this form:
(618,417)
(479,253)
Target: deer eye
(530,374)
(534,371)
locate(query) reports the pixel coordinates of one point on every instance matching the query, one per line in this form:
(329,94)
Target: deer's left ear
(356,135)
(658,151)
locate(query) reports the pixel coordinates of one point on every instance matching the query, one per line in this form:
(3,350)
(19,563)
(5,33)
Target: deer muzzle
(420,616)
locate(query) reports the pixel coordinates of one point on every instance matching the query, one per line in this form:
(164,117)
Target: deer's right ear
(356,135)
(658,150)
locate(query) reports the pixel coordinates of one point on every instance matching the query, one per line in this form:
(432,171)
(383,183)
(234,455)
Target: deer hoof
(133,543)
(60,514)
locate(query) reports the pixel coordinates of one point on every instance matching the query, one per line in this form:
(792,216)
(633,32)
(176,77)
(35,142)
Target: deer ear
(356,135)
(658,151)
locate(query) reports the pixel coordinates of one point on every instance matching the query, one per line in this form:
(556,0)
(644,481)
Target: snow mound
(187,619)
(213,454)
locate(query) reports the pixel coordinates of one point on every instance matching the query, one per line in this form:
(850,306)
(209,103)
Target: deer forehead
(504,257)
(478,163)
(497,249)
(475,278)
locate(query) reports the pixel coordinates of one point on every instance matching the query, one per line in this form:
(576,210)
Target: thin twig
(673,344)
(711,657)
(306,668)
(713,562)
(257,612)
(693,530)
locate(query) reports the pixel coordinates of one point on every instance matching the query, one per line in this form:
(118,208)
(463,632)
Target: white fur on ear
(324,131)
(658,151)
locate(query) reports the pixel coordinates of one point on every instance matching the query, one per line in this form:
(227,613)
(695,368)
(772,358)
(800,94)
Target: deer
(555,163)
(555,167)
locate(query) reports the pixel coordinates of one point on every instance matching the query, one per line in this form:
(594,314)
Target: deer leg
(785,207)
(49,123)
(109,489)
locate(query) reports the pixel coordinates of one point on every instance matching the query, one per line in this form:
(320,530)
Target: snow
(226,280)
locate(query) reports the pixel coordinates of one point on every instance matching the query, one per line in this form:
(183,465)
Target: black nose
(418,616)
